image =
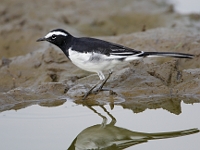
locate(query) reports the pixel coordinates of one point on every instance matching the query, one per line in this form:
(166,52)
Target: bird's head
(59,37)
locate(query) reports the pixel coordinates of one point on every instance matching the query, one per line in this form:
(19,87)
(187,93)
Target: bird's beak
(41,39)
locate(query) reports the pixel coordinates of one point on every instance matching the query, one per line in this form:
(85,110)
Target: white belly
(92,62)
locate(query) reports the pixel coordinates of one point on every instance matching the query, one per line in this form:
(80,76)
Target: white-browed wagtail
(95,55)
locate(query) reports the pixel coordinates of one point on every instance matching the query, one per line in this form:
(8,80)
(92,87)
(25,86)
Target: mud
(33,72)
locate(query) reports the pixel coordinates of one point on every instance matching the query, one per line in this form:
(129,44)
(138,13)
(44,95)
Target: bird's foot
(104,89)
(86,95)
(111,92)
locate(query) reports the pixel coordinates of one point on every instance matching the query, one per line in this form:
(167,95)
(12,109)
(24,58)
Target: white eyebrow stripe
(55,33)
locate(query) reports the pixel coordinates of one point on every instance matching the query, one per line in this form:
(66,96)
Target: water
(187,6)
(40,127)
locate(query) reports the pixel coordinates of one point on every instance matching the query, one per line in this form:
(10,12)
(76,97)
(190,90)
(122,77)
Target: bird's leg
(103,124)
(89,92)
(113,121)
(102,78)
(104,82)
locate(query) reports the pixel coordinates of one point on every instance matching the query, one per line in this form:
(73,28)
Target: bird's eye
(53,36)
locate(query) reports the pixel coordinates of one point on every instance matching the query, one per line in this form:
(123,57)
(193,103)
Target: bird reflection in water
(110,137)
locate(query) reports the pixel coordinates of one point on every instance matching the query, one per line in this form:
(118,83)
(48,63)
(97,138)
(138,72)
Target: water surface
(56,127)
(187,6)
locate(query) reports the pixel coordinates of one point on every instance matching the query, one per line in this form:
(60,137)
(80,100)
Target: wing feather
(86,44)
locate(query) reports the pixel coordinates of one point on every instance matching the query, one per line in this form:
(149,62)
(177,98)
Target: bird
(96,55)
(112,137)
(108,136)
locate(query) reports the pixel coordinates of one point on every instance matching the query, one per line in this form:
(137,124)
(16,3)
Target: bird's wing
(107,48)
(120,50)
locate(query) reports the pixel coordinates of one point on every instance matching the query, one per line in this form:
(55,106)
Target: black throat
(65,45)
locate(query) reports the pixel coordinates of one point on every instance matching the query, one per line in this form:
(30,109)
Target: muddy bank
(46,73)
(35,72)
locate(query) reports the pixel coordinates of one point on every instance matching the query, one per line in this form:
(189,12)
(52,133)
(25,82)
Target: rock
(31,71)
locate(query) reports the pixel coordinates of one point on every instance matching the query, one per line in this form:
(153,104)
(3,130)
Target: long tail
(138,138)
(165,135)
(165,54)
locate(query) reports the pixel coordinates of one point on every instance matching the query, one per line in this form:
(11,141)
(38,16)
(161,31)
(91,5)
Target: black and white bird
(111,137)
(95,55)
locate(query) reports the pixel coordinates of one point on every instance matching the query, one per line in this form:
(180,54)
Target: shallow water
(187,6)
(56,127)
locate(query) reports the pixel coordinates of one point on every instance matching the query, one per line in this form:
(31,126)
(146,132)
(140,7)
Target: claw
(100,87)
